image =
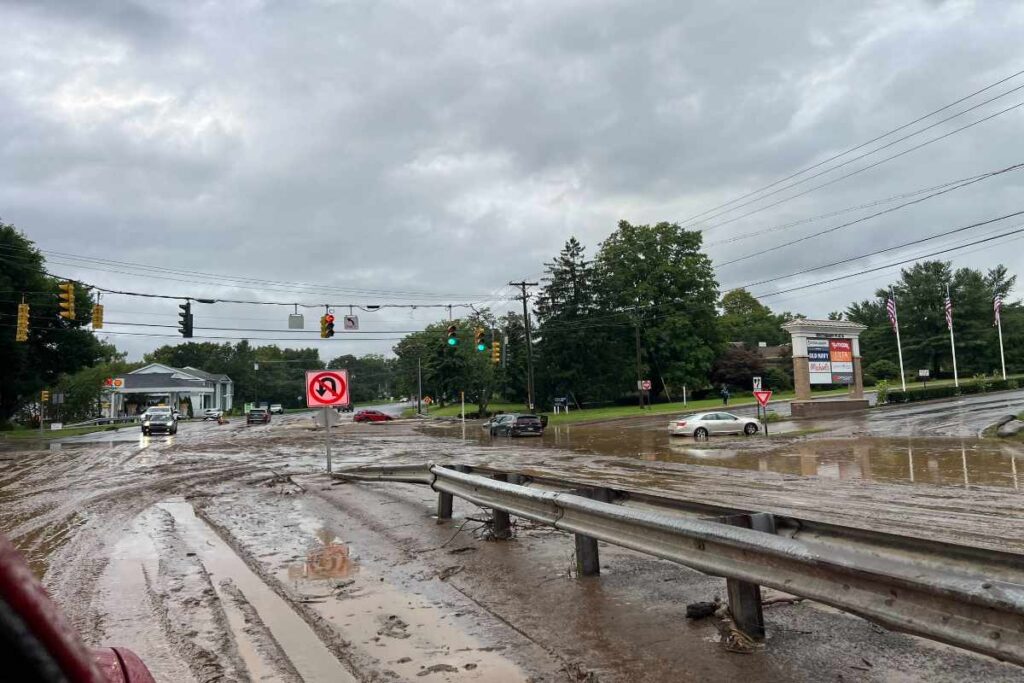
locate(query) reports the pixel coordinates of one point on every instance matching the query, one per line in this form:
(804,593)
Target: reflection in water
(930,461)
(327,560)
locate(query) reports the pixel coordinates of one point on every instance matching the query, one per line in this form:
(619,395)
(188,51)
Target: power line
(861,170)
(890,265)
(855,148)
(882,251)
(978,179)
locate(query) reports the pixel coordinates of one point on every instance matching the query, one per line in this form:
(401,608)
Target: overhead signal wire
(277,284)
(859,146)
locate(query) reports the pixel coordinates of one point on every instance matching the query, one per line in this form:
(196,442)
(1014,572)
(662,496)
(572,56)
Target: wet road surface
(220,553)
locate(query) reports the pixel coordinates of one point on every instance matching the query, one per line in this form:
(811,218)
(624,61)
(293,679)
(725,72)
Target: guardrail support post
(501,525)
(588,560)
(744,597)
(444,506)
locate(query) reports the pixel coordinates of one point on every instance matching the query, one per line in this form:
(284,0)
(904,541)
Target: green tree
(656,277)
(745,319)
(572,347)
(371,377)
(55,346)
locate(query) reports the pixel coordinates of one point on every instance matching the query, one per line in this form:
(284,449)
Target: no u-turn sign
(326,388)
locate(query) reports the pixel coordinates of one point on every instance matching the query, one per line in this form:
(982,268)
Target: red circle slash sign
(326,388)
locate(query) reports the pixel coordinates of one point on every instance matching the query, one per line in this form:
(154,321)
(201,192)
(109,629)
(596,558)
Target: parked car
(514,424)
(276,409)
(371,416)
(212,414)
(159,419)
(703,425)
(258,416)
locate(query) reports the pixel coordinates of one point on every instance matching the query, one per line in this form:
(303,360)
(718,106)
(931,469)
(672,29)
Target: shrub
(883,392)
(883,369)
(977,386)
(776,379)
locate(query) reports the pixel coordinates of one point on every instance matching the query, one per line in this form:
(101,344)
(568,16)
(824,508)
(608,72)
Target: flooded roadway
(220,553)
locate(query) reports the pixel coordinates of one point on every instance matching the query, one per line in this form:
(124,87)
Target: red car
(38,644)
(371,416)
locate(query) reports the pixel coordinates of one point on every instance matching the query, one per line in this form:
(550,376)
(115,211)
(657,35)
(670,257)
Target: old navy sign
(830,361)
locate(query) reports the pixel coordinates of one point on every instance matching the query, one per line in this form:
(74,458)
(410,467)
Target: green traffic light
(481,347)
(452,341)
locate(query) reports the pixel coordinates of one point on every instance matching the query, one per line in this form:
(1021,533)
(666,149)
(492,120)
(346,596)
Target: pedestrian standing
(725,395)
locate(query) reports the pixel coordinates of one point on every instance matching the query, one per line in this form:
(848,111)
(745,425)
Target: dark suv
(257,416)
(514,424)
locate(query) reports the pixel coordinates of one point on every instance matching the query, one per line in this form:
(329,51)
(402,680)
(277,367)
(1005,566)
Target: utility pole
(523,284)
(639,379)
(419,390)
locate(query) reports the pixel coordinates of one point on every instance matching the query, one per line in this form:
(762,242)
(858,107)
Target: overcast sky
(430,152)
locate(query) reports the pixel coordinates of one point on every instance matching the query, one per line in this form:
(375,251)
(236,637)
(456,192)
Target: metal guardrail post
(501,525)
(588,560)
(745,597)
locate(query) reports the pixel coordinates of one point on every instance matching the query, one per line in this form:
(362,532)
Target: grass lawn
(28,434)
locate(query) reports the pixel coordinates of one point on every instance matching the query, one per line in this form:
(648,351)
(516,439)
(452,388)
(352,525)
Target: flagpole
(952,344)
(999,326)
(899,346)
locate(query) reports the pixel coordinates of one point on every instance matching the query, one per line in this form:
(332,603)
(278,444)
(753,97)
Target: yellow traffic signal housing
(44,395)
(67,300)
(22,332)
(478,339)
(323,327)
(97,316)
(495,351)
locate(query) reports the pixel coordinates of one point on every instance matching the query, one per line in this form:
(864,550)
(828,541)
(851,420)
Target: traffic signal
(44,395)
(97,316)
(453,335)
(478,339)
(323,327)
(22,332)
(495,351)
(185,319)
(329,325)
(67,300)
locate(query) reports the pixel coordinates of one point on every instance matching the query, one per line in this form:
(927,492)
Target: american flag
(997,306)
(949,312)
(890,307)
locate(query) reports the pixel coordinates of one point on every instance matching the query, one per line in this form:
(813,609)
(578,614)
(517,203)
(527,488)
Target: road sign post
(326,389)
(762,400)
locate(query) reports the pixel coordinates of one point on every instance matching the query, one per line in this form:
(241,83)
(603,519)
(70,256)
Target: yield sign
(326,388)
(762,397)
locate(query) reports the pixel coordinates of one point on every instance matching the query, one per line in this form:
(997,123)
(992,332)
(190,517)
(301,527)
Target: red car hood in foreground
(37,642)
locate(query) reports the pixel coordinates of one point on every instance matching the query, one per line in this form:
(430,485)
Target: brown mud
(221,553)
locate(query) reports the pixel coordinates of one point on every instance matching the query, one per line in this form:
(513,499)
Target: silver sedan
(703,425)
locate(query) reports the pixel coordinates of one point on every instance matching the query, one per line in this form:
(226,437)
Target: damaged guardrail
(966,597)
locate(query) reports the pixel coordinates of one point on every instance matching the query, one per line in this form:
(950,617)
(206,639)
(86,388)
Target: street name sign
(763,397)
(325,388)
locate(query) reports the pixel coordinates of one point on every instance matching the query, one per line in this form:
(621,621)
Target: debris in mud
(466,549)
(449,572)
(702,610)
(733,639)
(438,668)
(576,673)
(394,627)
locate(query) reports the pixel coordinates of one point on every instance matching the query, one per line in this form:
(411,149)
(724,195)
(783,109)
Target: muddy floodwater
(904,460)
(225,553)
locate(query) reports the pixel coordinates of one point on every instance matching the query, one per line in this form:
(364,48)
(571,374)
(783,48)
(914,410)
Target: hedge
(973,386)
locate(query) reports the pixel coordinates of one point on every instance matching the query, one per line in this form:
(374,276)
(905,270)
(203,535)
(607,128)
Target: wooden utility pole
(529,341)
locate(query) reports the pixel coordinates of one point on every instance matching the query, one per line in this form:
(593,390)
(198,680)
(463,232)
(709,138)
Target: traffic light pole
(639,379)
(529,341)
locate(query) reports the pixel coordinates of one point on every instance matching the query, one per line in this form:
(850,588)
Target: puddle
(907,460)
(407,632)
(310,657)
